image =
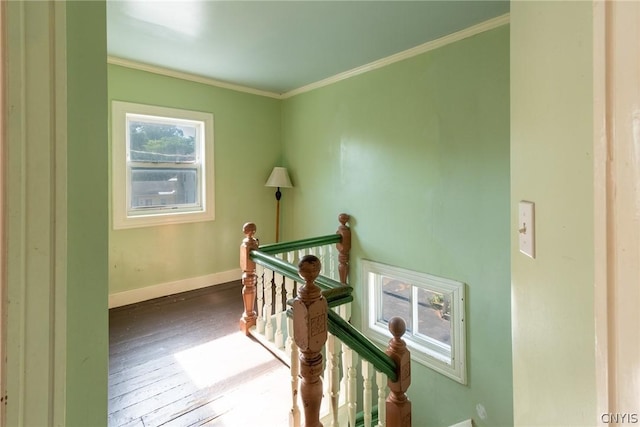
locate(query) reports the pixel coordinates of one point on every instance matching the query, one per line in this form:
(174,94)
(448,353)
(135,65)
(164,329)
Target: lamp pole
(279,178)
(278,196)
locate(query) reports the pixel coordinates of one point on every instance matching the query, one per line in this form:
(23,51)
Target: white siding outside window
(162,163)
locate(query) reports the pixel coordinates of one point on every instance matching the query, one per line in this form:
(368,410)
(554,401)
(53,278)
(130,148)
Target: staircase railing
(270,279)
(317,323)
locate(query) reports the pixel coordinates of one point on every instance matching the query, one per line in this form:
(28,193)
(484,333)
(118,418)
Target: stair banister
(395,363)
(344,247)
(362,345)
(310,335)
(249,277)
(330,288)
(269,268)
(398,406)
(281,247)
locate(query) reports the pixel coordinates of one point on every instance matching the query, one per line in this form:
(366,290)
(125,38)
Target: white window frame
(126,217)
(447,360)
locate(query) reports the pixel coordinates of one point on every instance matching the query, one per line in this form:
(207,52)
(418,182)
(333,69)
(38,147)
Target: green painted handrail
(338,300)
(275,264)
(289,270)
(349,335)
(278,248)
(336,294)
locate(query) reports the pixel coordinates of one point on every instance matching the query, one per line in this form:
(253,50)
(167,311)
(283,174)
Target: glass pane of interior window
(396,301)
(153,188)
(154,142)
(434,315)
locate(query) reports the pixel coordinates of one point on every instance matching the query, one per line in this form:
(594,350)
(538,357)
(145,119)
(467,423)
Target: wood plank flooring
(181,361)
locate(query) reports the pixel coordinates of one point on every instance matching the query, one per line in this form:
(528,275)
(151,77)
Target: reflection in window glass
(432,308)
(396,301)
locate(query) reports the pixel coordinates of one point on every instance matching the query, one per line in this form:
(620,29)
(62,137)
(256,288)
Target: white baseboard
(169,288)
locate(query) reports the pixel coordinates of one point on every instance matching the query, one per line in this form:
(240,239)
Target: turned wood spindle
(249,277)
(344,246)
(398,406)
(310,334)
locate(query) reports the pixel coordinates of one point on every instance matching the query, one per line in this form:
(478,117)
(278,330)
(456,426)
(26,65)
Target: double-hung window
(162,162)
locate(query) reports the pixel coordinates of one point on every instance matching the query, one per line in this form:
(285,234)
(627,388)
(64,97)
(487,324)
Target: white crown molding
(400,56)
(409,53)
(114,60)
(169,288)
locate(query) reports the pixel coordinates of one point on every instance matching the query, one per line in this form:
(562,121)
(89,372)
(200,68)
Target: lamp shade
(279,178)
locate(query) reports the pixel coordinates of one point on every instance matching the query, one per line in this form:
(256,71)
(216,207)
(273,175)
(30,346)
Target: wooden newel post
(310,334)
(343,247)
(398,405)
(249,278)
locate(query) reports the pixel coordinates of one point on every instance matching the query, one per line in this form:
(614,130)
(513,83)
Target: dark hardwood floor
(181,361)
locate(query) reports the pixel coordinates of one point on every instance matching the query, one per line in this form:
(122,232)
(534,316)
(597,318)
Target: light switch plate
(526,228)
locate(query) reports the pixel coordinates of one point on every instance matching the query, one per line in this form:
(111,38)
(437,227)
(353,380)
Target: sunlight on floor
(264,400)
(207,365)
(260,404)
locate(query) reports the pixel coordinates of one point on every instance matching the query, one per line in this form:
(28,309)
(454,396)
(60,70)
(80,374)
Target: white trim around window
(162,165)
(432,307)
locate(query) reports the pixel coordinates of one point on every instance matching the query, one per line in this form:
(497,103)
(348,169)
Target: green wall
(552,139)
(418,153)
(247,146)
(87,215)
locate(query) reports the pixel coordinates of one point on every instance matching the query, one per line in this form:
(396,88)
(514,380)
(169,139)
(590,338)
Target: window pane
(434,315)
(154,142)
(153,188)
(396,301)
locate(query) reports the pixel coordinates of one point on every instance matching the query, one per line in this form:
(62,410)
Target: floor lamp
(279,178)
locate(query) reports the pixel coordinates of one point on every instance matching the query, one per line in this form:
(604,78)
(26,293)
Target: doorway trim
(617,207)
(35,178)
(3,209)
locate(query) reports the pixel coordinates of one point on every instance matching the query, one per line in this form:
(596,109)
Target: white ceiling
(279,46)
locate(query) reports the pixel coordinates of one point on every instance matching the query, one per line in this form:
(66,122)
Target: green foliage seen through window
(151,142)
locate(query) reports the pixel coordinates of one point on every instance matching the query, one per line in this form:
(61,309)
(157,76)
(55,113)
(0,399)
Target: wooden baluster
(278,282)
(343,380)
(332,264)
(333,359)
(344,247)
(367,392)
(351,377)
(249,277)
(325,405)
(289,287)
(294,415)
(268,304)
(320,253)
(280,311)
(398,405)
(301,254)
(381,382)
(310,333)
(260,299)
